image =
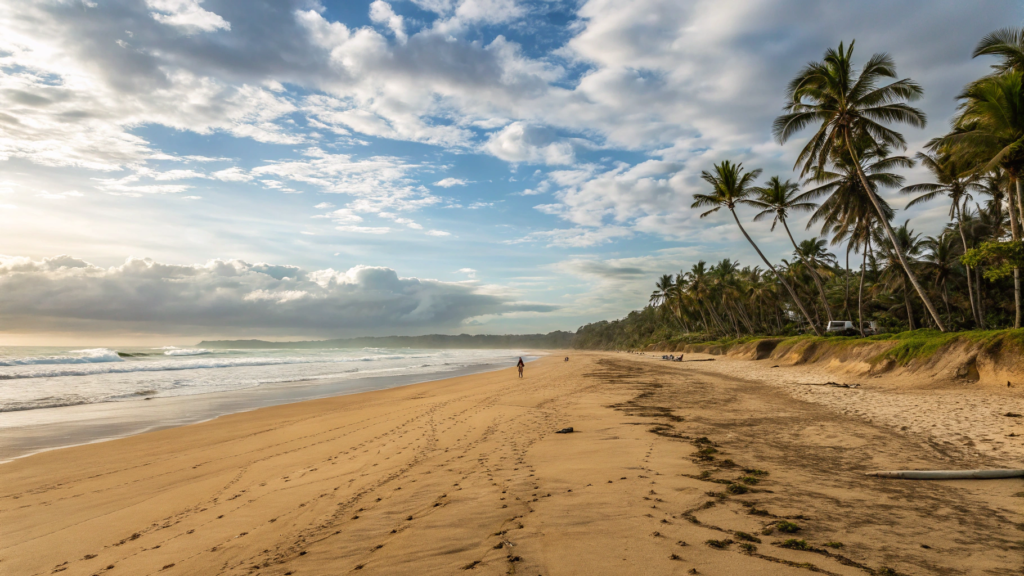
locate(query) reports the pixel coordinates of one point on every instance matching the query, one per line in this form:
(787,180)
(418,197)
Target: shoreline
(467,473)
(27,432)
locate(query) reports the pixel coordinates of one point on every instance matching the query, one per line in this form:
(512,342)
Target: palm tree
(731,186)
(848,214)
(777,199)
(699,288)
(894,276)
(848,106)
(663,287)
(956,179)
(1008,44)
(941,262)
(989,129)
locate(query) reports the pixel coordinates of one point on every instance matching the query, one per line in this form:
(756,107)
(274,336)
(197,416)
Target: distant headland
(551,340)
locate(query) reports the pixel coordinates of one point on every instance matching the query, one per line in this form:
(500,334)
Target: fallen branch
(948,474)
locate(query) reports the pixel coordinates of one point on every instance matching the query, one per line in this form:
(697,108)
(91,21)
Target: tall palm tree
(989,129)
(730,185)
(849,106)
(777,199)
(955,179)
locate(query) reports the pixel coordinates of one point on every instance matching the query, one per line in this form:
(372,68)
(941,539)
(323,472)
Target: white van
(840,326)
(848,327)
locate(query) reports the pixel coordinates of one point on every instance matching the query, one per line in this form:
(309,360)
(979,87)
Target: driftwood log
(948,474)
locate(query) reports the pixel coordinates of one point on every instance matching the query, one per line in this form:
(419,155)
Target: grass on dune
(908,346)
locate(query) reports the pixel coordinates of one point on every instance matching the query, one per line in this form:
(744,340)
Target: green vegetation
(720,544)
(747,537)
(795,544)
(787,527)
(966,277)
(736,489)
(836,545)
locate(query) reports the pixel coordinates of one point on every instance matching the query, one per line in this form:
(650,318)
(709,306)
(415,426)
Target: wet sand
(673,468)
(31,431)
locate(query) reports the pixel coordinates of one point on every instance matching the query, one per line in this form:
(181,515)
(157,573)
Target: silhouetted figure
(521,365)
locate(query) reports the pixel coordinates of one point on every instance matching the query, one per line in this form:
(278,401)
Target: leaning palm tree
(731,186)
(1008,44)
(955,179)
(848,106)
(989,130)
(777,199)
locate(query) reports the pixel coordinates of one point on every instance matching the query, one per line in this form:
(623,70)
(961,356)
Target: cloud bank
(63,292)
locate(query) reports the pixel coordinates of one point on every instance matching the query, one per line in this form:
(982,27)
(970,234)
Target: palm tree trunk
(814,274)
(714,316)
(846,295)
(1014,228)
(945,298)
(910,311)
(789,288)
(703,318)
(892,235)
(981,297)
(963,238)
(860,293)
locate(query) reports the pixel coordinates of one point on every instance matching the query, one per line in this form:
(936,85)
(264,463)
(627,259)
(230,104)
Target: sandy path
(466,474)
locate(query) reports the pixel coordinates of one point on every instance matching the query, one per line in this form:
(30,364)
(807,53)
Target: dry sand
(466,476)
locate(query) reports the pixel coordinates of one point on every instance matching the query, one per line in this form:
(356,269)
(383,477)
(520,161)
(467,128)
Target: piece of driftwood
(948,474)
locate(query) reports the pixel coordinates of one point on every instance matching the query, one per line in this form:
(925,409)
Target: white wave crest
(87,356)
(186,352)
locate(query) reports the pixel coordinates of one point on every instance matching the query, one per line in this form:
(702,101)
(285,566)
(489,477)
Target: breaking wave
(88,356)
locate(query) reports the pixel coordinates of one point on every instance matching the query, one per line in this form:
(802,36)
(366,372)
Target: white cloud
(575,237)
(233,174)
(40,295)
(277,185)
(178,175)
(187,14)
(60,195)
(467,271)
(324,206)
(440,233)
(519,142)
(382,13)
(364,229)
(449,182)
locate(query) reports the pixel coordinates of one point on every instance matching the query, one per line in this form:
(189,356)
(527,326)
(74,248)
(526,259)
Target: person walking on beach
(521,365)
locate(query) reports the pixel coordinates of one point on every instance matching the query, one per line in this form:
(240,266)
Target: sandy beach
(673,468)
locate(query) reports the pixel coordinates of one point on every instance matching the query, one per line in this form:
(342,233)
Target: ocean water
(57,397)
(34,378)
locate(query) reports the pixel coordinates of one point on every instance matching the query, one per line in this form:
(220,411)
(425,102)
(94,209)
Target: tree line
(965,277)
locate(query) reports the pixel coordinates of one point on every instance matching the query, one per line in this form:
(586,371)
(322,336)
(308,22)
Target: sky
(182,169)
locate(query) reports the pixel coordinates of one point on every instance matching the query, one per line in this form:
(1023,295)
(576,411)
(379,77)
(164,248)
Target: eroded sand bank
(467,474)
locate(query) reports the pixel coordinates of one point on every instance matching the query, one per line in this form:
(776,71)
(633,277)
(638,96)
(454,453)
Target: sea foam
(87,356)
